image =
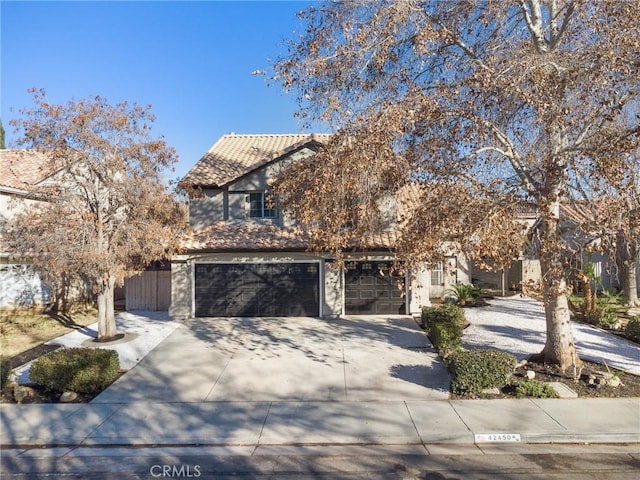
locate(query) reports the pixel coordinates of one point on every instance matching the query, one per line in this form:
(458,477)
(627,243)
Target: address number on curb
(497,437)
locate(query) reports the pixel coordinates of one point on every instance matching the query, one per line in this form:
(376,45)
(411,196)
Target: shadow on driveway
(287,359)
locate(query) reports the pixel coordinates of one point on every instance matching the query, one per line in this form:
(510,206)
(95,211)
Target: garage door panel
(256,289)
(371,289)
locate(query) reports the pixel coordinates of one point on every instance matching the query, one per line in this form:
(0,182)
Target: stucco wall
(420,282)
(206,210)
(180,288)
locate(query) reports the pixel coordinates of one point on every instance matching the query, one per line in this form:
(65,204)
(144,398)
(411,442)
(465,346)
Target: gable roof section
(234,156)
(22,169)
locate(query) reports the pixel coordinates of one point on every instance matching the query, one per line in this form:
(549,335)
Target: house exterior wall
(20,286)
(207,209)
(333,298)
(229,201)
(420,290)
(181,287)
(607,270)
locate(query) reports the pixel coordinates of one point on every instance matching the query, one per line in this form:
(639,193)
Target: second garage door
(257,289)
(371,289)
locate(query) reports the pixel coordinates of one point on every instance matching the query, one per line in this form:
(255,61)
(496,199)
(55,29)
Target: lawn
(20,331)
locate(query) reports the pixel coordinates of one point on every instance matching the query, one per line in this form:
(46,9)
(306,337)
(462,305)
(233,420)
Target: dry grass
(20,331)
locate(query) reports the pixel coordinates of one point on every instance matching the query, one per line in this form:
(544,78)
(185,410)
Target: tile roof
(230,236)
(249,236)
(233,156)
(21,169)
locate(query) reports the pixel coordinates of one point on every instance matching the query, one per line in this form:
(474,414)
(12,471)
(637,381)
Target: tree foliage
(474,111)
(105,212)
(2,135)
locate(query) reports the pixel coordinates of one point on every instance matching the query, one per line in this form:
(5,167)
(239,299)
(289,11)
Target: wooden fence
(151,290)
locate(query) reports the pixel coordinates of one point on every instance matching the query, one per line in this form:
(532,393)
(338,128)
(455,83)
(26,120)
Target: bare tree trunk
(559,348)
(106,316)
(627,255)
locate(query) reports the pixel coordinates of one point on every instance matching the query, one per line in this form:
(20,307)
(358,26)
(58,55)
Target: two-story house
(244,257)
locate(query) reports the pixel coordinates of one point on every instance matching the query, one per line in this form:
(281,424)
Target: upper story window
(262,205)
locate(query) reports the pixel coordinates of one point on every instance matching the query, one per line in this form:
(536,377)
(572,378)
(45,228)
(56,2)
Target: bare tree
(479,107)
(106,212)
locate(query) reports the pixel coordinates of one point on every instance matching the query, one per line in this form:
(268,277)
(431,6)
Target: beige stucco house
(244,257)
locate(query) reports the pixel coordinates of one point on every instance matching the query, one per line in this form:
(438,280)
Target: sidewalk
(260,424)
(280,383)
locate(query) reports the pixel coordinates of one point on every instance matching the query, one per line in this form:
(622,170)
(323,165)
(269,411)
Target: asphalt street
(435,462)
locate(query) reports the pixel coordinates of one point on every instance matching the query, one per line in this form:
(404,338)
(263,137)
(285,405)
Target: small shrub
(464,294)
(609,318)
(446,337)
(5,371)
(80,370)
(475,370)
(632,330)
(534,388)
(442,313)
(444,326)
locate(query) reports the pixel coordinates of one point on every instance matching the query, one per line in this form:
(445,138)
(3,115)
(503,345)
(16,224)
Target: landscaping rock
(614,382)
(530,374)
(491,391)
(21,393)
(68,397)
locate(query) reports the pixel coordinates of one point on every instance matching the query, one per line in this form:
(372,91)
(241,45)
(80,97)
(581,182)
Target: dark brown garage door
(370,289)
(257,290)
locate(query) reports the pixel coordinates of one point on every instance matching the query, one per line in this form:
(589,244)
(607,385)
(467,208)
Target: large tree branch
(558,32)
(533,19)
(597,119)
(510,152)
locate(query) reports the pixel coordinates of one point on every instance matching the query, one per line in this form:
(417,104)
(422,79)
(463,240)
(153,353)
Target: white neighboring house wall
(20,286)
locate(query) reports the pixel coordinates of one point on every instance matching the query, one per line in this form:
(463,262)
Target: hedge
(475,370)
(80,370)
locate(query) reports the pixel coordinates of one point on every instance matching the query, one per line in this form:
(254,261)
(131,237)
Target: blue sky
(192,61)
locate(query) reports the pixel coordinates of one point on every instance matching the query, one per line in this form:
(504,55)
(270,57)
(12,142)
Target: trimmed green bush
(5,370)
(80,370)
(446,337)
(442,313)
(475,370)
(632,330)
(444,326)
(534,388)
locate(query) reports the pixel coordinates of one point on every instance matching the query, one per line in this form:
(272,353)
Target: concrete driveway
(358,358)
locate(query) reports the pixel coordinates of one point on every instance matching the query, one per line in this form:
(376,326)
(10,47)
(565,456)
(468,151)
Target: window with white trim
(436,275)
(262,205)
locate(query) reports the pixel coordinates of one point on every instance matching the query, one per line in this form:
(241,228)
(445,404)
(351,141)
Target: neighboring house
(245,258)
(20,172)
